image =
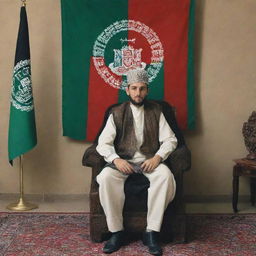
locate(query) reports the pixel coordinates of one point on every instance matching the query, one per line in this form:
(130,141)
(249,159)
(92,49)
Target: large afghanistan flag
(103,39)
(22,128)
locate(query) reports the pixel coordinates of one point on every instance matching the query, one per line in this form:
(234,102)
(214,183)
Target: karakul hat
(137,76)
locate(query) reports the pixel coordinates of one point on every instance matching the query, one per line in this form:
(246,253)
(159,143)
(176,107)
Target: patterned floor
(62,234)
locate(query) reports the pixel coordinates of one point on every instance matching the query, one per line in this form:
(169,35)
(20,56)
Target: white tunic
(167,139)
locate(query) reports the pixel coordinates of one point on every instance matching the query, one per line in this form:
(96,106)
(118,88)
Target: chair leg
(95,236)
(180,229)
(95,229)
(185,232)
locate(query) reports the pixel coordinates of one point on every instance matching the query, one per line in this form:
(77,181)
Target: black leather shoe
(150,240)
(114,243)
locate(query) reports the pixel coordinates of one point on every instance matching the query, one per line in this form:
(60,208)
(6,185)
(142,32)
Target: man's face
(137,93)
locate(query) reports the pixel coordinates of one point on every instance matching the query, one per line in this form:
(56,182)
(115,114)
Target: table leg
(253,190)
(235,188)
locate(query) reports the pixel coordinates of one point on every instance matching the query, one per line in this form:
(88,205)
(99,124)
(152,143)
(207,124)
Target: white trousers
(160,193)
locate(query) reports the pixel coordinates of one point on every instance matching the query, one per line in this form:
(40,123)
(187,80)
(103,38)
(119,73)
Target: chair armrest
(96,169)
(92,158)
(179,160)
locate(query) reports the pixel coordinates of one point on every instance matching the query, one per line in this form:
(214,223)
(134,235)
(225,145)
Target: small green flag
(22,127)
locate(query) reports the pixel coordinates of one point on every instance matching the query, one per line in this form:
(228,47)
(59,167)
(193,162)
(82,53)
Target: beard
(138,104)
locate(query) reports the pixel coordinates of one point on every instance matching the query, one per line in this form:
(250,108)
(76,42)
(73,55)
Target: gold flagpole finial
(23,3)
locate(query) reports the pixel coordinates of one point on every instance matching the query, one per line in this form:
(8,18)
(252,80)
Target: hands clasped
(147,166)
(123,166)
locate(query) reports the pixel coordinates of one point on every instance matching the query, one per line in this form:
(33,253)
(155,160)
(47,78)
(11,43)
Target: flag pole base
(22,205)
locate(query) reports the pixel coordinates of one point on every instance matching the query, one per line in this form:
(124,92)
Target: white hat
(137,76)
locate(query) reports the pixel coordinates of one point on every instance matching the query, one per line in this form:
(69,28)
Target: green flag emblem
(22,127)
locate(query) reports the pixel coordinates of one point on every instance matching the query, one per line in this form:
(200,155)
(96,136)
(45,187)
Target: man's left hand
(150,164)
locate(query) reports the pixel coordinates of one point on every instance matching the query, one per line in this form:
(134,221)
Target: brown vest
(125,141)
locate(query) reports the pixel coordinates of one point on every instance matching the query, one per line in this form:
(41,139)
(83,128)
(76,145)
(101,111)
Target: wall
(225,61)
(226,82)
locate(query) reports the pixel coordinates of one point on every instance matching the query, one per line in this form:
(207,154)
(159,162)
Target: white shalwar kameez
(111,181)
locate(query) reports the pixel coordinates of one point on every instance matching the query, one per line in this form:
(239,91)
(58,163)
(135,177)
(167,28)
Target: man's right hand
(123,166)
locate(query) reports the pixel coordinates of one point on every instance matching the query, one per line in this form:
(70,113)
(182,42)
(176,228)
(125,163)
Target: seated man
(136,138)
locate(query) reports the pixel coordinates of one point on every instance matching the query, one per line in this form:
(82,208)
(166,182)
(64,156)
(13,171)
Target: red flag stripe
(170,22)
(100,96)
(176,69)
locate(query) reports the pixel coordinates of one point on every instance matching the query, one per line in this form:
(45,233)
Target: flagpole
(21,205)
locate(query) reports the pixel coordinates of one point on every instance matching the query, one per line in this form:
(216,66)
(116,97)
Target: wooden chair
(135,208)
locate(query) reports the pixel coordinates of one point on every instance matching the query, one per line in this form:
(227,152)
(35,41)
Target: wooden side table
(243,167)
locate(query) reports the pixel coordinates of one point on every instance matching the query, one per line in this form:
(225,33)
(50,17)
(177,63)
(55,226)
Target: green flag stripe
(75,68)
(22,132)
(82,23)
(190,82)
(156,87)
